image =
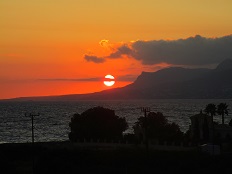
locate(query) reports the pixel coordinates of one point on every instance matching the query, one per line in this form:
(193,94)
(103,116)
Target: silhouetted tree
(157,128)
(211,109)
(97,123)
(222,109)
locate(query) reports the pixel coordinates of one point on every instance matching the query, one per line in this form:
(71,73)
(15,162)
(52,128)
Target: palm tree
(222,109)
(211,109)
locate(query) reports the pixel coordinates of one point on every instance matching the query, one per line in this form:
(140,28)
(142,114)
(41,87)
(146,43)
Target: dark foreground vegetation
(101,124)
(64,157)
(97,145)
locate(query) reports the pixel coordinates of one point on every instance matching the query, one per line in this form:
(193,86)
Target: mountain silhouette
(169,83)
(225,65)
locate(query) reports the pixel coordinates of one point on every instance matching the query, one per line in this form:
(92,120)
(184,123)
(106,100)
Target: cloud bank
(195,51)
(191,51)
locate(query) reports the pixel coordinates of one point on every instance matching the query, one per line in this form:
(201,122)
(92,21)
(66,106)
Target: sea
(51,120)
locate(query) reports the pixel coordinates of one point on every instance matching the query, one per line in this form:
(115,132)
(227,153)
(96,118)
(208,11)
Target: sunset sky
(55,47)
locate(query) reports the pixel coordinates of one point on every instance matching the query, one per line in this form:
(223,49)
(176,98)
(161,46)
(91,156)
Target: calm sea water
(52,123)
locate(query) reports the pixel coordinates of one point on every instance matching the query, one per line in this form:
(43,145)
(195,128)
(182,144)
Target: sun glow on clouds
(104,43)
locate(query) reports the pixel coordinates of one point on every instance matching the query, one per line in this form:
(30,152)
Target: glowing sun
(109,80)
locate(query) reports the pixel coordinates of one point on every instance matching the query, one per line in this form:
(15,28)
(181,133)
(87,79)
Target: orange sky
(43,43)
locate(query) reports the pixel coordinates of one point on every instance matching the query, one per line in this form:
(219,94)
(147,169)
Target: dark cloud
(122,50)
(94,59)
(193,51)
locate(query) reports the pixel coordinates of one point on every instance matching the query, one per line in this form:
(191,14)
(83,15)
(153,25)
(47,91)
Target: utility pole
(146,110)
(32,124)
(213,134)
(32,137)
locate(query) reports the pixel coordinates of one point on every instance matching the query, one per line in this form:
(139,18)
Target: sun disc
(109,80)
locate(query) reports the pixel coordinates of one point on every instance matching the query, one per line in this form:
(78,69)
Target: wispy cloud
(123,78)
(73,79)
(127,78)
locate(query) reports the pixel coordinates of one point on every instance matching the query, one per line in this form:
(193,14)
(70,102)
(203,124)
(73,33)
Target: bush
(157,127)
(97,123)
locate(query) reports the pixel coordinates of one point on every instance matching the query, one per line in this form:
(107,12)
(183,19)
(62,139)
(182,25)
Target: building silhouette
(203,129)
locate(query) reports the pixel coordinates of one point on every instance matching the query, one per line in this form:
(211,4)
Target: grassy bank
(64,157)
